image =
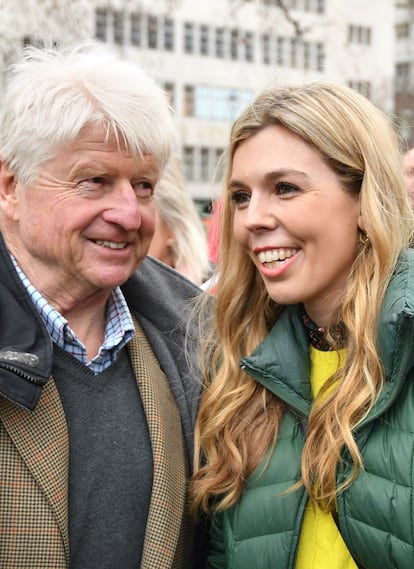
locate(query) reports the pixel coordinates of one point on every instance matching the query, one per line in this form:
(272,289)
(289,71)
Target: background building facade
(214,56)
(404,67)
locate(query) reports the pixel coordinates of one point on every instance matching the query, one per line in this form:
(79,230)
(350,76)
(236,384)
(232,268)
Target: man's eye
(144,189)
(91,185)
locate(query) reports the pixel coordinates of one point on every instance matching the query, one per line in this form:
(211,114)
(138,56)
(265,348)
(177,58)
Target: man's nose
(124,209)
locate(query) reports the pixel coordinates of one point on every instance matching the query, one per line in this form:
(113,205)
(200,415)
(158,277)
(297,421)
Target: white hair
(53,93)
(176,209)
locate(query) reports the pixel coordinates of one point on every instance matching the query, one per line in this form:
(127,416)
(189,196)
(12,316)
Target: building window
(320,57)
(366,36)
(248,44)
(189,103)
(168,34)
(293,53)
(189,163)
(207,102)
(205,165)
(363,87)
(402,30)
(118,18)
(204,102)
(219,169)
(320,6)
(266,49)
(306,55)
(360,35)
(317,6)
(169,89)
(403,77)
(234,105)
(366,89)
(136,35)
(281,59)
(101,24)
(152,32)
(188,37)
(204,33)
(234,41)
(220,42)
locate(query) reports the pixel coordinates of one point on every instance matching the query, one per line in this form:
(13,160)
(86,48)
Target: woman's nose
(259,215)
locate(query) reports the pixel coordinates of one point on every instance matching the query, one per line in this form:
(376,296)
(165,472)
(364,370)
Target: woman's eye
(240,198)
(284,188)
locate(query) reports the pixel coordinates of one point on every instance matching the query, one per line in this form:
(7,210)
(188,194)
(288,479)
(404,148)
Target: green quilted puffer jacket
(376,513)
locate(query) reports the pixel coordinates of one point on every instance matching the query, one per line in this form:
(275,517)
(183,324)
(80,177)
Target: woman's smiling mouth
(272,258)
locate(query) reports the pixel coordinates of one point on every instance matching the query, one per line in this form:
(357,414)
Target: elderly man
(97,395)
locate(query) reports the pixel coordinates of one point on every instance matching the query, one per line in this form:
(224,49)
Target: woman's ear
(361,224)
(8,193)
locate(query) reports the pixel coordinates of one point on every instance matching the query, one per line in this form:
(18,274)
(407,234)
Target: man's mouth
(110,244)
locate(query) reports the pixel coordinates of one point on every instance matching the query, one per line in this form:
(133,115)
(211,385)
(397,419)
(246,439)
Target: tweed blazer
(34,449)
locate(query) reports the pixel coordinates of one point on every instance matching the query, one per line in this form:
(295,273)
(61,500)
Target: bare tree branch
(299,30)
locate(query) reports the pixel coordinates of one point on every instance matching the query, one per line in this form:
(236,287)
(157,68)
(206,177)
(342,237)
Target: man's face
(87,222)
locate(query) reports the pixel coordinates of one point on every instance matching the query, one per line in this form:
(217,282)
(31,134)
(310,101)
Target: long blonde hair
(238,418)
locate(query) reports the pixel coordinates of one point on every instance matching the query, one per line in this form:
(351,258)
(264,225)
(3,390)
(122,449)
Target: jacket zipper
(22,374)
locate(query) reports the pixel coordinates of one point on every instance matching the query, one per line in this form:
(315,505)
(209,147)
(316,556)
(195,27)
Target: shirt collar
(119,327)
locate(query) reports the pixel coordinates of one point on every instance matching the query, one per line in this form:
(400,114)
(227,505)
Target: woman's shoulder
(399,297)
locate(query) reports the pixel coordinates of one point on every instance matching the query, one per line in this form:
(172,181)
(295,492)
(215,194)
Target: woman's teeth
(275,255)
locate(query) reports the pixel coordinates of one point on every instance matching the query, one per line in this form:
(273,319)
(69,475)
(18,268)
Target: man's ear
(8,193)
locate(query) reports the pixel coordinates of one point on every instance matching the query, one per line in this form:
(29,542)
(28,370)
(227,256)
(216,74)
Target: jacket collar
(25,345)
(281,361)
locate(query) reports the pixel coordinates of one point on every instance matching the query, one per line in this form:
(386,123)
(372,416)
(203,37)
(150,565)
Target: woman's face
(294,219)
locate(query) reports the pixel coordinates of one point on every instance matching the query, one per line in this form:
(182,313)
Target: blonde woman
(180,239)
(305,434)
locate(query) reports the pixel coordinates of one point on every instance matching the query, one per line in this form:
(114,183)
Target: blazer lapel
(41,438)
(164,534)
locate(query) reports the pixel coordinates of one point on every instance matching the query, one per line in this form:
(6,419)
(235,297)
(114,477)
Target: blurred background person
(408,168)
(213,235)
(180,239)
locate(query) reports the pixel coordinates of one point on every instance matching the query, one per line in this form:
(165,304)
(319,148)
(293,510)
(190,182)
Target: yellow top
(320,544)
